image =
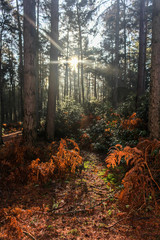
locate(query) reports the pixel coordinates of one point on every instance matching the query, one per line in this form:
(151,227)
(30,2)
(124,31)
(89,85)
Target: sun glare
(74,63)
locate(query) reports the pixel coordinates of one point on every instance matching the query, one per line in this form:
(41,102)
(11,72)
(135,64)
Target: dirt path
(80,208)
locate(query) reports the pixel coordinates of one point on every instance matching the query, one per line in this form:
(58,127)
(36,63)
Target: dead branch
(29,235)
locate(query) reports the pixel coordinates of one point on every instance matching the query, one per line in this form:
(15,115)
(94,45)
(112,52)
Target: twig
(83,210)
(55,209)
(118,222)
(29,235)
(145,159)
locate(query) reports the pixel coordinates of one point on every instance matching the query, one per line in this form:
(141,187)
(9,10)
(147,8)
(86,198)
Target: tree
(29,123)
(5,9)
(115,93)
(81,49)
(53,78)
(154,107)
(142,52)
(20,70)
(1,141)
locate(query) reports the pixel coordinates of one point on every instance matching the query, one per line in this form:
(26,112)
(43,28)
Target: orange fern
(64,162)
(13,229)
(138,182)
(131,123)
(68,156)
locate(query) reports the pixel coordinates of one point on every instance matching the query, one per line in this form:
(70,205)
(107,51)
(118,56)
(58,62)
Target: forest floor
(82,207)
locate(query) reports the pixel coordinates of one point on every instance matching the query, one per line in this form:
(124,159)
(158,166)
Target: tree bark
(1,141)
(81,52)
(29,123)
(66,71)
(53,79)
(125,45)
(95,85)
(20,70)
(116,78)
(38,80)
(154,107)
(142,52)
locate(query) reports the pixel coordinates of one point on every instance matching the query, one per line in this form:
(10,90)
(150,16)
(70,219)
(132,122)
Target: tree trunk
(116,78)
(81,52)
(66,71)
(1,141)
(95,85)
(79,88)
(38,80)
(14,113)
(142,52)
(53,72)
(20,70)
(154,107)
(29,123)
(125,40)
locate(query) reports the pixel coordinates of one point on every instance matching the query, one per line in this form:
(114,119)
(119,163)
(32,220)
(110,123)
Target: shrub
(131,129)
(68,118)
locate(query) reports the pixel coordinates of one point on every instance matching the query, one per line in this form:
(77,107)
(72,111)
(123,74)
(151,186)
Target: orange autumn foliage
(14,231)
(68,157)
(131,123)
(41,170)
(64,162)
(139,183)
(85,140)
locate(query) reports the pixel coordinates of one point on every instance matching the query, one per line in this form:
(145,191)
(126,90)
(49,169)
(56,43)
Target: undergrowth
(141,180)
(22,164)
(64,162)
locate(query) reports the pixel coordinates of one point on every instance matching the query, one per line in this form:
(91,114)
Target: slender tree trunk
(10,104)
(142,52)
(79,88)
(81,52)
(125,40)
(1,141)
(20,70)
(95,85)
(40,85)
(38,88)
(30,123)
(66,71)
(116,78)
(88,87)
(53,72)
(66,80)
(75,87)
(154,107)
(14,102)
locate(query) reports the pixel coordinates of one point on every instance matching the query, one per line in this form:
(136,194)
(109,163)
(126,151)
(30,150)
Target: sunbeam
(74,63)
(43,33)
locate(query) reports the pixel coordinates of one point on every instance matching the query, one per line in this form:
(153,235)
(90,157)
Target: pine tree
(154,107)
(53,78)
(29,123)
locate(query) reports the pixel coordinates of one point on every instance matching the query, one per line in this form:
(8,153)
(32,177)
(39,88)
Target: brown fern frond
(138,181)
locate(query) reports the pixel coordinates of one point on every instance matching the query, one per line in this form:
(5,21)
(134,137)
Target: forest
(80,119)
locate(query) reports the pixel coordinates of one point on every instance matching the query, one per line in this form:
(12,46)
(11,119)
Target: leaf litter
(82,207)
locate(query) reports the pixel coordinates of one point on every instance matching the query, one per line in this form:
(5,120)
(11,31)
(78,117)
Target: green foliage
(142,110)
(96,135)
(96,108)
(68,118)
(97,127)
(129,106)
